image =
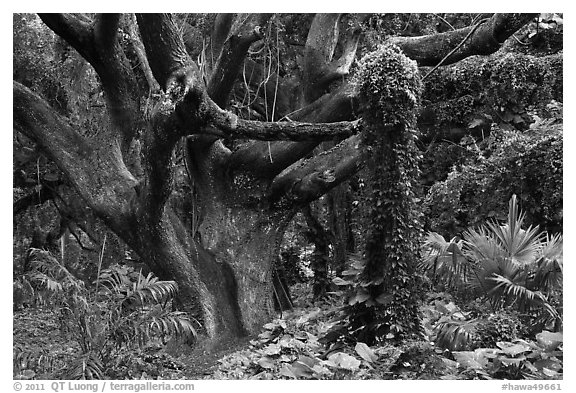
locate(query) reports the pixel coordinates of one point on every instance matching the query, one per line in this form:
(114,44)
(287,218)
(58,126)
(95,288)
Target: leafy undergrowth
(42,351)
(38,345)
(456,346)
(292,348)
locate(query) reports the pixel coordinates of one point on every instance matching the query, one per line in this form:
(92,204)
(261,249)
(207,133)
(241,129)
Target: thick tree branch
(140,51)
(222,26)
(486,39)
(306,181)
(97,42)
(341,67)
(180,77)
(269,159)
(159,141)
(96,171)
(246,31)
(75,30)
(106,29)
(319,49)
(165,49)
(118,78)
(227,125)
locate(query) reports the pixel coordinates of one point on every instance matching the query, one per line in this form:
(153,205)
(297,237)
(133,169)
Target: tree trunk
(338,204)
(239,234)
(320,257)
(247,242)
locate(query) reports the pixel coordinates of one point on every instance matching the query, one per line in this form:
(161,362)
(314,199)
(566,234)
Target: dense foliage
(505,163)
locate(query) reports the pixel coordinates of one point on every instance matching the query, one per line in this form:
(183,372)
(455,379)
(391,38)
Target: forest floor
(289,347)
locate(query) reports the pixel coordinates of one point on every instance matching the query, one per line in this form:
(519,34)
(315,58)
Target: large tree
(248,177)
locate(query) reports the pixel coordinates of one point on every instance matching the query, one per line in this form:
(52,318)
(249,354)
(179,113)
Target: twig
(445,21)
(520,42)
(455,49)
(100,262)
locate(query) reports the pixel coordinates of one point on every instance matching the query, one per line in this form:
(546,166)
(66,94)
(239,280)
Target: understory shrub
(124,312)
(505,264)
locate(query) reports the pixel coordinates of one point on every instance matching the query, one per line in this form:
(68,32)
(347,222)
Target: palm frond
(39,361)
(445,260)
(45,282)
(509,292)
(480,245)
(154,324)
(176,324)
(455,335)
(115,279)
(518,243)
(149,289)
(48,271)
(87,366)
(553,247)
(514,266)
(549,268)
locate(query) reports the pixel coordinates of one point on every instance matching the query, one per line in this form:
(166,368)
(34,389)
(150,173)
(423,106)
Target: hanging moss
(385,303)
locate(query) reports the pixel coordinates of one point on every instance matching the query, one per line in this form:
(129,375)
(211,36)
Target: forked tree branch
(270,159)
(95,170)
(165,49)
(245,31)
(97,42)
